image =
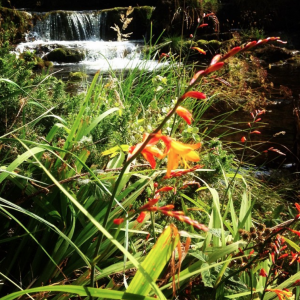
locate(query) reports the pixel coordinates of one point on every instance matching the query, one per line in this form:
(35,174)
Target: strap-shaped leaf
(155,261)
(80,291)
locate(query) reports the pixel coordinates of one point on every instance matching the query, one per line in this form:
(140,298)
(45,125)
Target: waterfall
(82,33)
(68,26)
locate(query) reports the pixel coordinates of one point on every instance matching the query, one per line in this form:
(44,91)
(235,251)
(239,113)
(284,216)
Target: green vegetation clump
(14,24)
(77,76)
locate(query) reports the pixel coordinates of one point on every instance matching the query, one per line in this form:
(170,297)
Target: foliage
(14,24)
(95,216)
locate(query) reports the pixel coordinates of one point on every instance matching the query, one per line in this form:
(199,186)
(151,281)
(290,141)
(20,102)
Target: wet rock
(66,55)
(212,45)
(271,53)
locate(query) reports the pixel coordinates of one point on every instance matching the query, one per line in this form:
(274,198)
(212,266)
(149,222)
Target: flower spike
(232,52)
(249,46)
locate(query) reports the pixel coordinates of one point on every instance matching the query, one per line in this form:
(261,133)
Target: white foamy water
(99,55)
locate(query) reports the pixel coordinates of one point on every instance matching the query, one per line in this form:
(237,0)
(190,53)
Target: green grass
(60,195)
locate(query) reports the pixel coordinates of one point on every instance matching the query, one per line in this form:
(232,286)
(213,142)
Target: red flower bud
(118,221)
(194,94)
(141,217)
(202,25)
(164,189)
(232,52)
(201,51)
(263,273)
(215,59)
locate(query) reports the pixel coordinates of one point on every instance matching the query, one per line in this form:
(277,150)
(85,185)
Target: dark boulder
(271,53)
(66,55)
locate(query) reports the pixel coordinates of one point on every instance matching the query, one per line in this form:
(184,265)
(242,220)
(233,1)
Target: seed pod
(245,235)
(253,235)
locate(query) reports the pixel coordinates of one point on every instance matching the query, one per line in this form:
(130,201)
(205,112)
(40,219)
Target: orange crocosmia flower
(193,94)
(184,114)
(199,50)
(295,231)
(263,273)
(178,152)
(243,139)
(298,207)
(165,189)
(255,132)
(141,217)
(150,151)
(150,203)
(282,295)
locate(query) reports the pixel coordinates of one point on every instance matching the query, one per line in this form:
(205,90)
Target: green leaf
(116,149)
(19,160)
(80,291)
(292,244)
(98,119)
(155,261)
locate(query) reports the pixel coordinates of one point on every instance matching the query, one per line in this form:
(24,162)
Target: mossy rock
(77,76)
(212,45)
(14,24)
(38,62)
(66,55)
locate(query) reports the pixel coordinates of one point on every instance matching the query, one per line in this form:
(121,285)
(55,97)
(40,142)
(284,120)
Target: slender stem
(153,226)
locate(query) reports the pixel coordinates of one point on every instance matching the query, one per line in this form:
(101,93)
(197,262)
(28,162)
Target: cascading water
(69,26)
(82,32)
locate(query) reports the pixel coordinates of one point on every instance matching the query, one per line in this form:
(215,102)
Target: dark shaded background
(271,15)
